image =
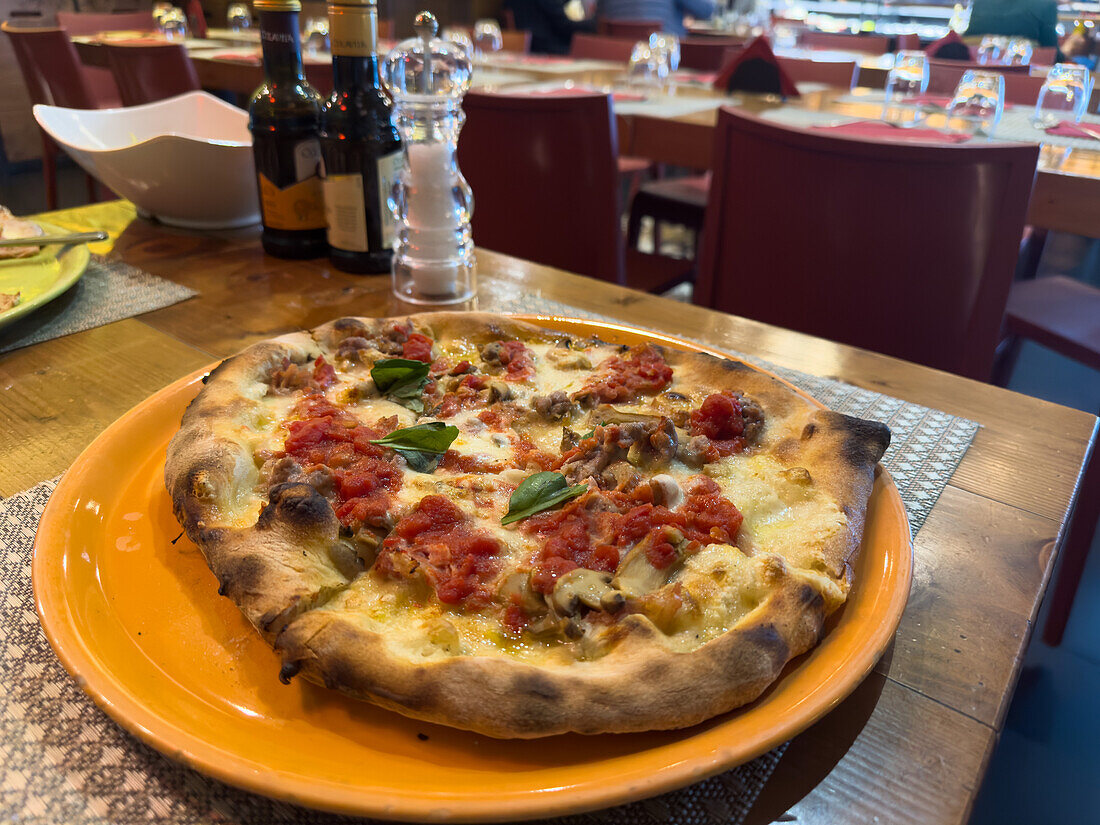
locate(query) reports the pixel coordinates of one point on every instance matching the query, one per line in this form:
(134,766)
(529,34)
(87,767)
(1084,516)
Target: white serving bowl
(186,160)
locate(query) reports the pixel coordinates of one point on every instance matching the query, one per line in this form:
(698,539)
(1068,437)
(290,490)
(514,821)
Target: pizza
(478,522)
(12,227)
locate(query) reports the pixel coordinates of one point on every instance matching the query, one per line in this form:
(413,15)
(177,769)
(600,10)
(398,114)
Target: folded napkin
(1072,130)
(756,69)
(884,131)
(949,47)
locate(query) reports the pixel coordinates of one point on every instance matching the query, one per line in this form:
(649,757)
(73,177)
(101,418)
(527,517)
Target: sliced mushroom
(579,587)
(666,491)
(499,391)
(517,588)
(797,475)
(667,606)
(552,625)
(636,575)
(344,558)
(566,359)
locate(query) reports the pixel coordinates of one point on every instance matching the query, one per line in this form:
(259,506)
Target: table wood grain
(911,743)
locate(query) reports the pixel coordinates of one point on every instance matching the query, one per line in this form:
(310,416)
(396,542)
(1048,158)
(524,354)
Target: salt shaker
(433,260)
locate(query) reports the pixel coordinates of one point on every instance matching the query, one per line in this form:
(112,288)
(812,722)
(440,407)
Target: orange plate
(136,619)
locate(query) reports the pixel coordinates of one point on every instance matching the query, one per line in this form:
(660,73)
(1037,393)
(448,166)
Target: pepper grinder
(433,260)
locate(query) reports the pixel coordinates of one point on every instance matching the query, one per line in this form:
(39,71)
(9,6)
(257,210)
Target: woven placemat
(63,761)
(108,291)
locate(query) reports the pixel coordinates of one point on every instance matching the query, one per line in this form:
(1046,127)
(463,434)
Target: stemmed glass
(460,37)
(160,9)
(238,17)
(173,24)
(991,50)
(905,82)
(487,37)
(1065,92)
(978,103)
(642,70)
(1018,52)
(666,49)
(315,35)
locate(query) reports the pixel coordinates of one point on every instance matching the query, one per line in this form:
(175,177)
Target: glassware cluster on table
(238,18)
(170,21)
(653,61)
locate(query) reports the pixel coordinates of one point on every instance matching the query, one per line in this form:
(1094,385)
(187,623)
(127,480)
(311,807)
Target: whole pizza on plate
(478,522)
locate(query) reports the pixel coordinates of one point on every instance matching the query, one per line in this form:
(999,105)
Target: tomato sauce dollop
(458,561)
(517,359)
(364,475)
(622,379)
(417,347)
(720,420)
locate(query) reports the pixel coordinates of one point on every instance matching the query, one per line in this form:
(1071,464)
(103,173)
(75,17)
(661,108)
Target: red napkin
(884,131)
(755,69)
(1068,129)
(956,48)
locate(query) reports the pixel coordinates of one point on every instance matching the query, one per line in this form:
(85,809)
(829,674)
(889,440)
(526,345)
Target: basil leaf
(433,437)
(539,492)
(392,374)
(420,461)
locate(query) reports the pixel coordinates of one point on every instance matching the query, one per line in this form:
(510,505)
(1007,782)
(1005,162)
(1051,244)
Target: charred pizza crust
(281,556)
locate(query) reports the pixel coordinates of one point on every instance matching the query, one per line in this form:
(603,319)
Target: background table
(910,745)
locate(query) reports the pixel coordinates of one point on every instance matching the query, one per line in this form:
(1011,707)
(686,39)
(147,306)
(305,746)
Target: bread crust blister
(278,552)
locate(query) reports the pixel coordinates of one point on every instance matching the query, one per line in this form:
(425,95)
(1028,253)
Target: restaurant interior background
(1051,735)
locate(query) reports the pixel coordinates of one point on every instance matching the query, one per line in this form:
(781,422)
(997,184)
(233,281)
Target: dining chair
(805,230)
(512,40)
(870,43)
(99,78)
(196,19)
(1020,87)
(907,42)
(51,71)
(707,54)
(634,30)
(1063,315)
(842,74)
(600,47)
(559,203)
(1044,55)
(146,73)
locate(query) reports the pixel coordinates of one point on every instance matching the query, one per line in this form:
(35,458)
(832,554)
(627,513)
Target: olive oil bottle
(360,145)
(283,117)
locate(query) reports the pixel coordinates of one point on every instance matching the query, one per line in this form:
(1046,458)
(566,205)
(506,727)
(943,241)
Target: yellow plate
(43,276)
(133,613)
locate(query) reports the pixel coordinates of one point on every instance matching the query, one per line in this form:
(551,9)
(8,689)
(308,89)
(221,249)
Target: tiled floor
(1047,765)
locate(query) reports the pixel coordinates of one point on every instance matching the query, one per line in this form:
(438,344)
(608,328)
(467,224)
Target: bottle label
(389,166)
(299,205)
(347,220)
(353,30)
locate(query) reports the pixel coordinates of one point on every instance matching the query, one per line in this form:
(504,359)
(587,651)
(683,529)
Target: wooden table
(910,745)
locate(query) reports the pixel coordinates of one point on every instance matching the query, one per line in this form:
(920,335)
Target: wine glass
(487,37)
(1065,93)
(315,35)
(460,37)
(238,17)
(905,82)
(1018,52)
(173,24)
(160,9)
(665,49)
(978,103)
(991,50)
(642,69)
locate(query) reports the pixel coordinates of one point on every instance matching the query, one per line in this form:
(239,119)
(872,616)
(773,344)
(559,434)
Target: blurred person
(1034,19)
(552,23)
(670,12)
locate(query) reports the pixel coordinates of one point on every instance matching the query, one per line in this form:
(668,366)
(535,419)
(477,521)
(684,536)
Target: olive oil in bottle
(360,145)
(283,118)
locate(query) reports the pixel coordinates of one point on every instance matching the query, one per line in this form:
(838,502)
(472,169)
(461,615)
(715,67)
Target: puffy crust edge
(639,685)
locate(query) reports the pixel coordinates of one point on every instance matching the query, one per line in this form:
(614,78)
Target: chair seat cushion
(1059,313)
(691,191)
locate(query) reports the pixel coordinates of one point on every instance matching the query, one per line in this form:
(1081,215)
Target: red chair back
(842,75)
(1020,87)
(1044,55)
(598,47)
(870,43)
(148,73)
(908,43)
(635,30)
(515,41)
(706,54)
(80,22)
(808,231)
(196,19)
(50,67)
(558,201)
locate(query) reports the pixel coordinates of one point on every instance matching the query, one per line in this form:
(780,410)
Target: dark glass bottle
(283,117)
(360,146)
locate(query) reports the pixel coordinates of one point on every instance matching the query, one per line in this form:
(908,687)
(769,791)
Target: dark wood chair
(870,43)
(1063,315)
(707,54)
(558,204)
(100,79)
(1020,87)
(52,73)
(145,73)
(515,41)
(634,30)
(843,75)
(599,47)
(807,231)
